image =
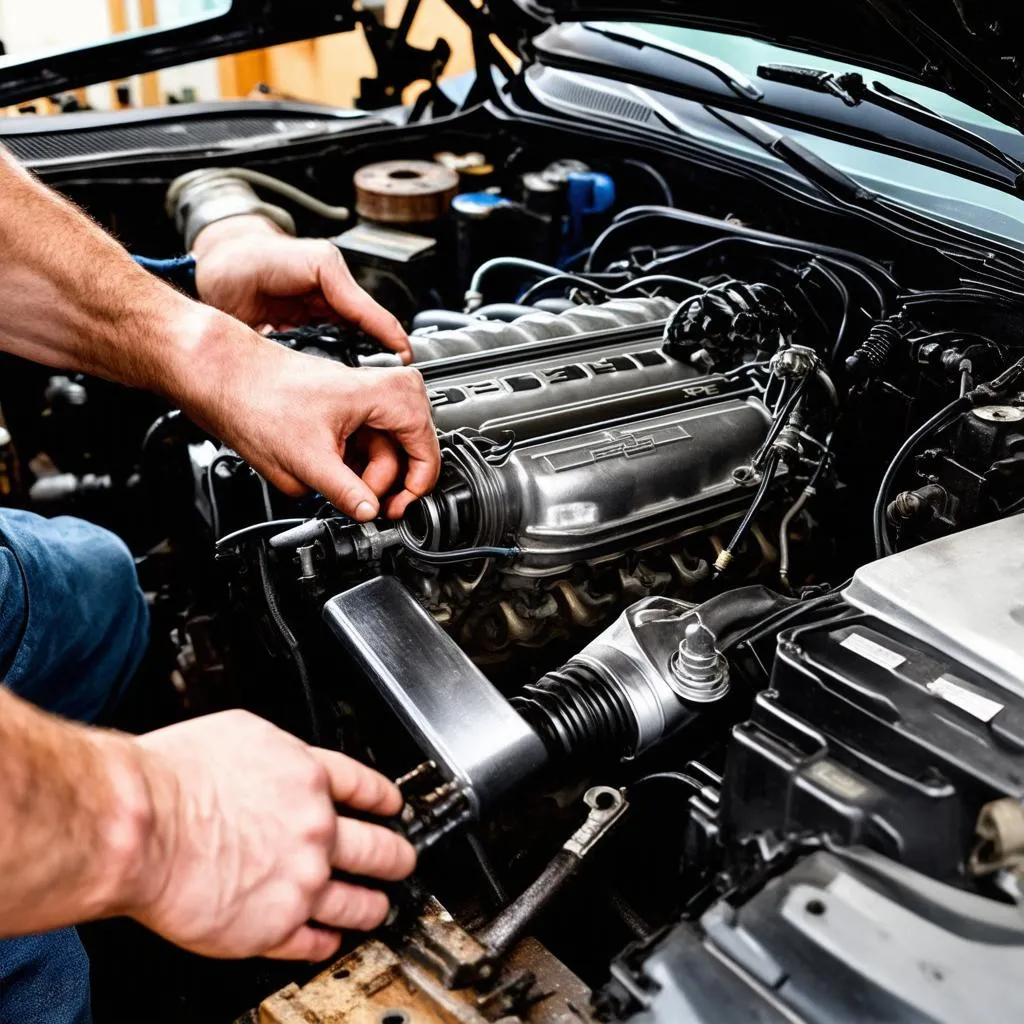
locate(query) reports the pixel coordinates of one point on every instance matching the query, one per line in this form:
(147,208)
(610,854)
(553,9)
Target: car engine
(701,667)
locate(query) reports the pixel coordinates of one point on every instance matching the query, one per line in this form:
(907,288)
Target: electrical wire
(726,554)
(531,293)
(797,507)
(256,530)
(779,420)
(291,643)
(699,221)
(474,296)
(211,480)
(942,418)
(460,554)
(647,281)
(267,507)
(656,176)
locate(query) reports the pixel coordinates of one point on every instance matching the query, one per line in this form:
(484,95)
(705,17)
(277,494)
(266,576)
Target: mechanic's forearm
(73,298)
(77,817)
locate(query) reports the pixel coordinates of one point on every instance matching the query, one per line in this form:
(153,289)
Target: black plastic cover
(873,738)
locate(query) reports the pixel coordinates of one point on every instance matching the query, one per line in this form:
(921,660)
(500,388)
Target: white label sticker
(982,708)
(873,652)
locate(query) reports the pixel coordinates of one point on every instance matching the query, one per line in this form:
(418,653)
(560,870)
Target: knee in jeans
(105,567)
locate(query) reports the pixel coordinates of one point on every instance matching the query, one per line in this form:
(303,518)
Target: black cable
(629,916)
(725,557)
(850,260)
(844,296)
(715,243)
(210,486)
(291,643)
(681,778)
(941,419)
(657,176)
(659,280)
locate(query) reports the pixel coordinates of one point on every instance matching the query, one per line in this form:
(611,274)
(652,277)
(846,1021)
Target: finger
(341,486)
(407,417)
(349,300)
(307,943)
(362,848)
(357,785)
(382,466)
(343,905)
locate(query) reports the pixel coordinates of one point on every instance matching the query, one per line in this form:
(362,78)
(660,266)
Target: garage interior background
(325,70)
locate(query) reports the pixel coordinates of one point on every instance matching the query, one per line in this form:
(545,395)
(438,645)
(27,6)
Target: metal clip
(606,805)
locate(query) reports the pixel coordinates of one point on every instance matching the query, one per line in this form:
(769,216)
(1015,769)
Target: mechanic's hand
(355,435)
(247,267)
(245,835)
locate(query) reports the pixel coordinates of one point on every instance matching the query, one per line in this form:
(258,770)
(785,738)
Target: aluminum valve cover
(619,487)
(564,376)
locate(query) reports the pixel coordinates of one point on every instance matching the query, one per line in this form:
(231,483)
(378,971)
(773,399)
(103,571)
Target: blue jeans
(73,628)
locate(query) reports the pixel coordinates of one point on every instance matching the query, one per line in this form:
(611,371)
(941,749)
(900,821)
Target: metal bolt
(307,567)
(697,653)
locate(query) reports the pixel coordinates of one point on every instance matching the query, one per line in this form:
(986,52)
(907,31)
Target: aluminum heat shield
(963,594)
(456,715)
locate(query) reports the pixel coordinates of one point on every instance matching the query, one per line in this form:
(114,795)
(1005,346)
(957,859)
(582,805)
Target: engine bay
(701,666)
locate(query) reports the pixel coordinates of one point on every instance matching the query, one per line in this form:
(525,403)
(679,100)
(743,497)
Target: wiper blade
(724,72)
(852,89)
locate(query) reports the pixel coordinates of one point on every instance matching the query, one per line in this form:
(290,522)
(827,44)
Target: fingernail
(364,511)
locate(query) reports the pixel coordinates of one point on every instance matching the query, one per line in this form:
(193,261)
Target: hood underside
(971,49)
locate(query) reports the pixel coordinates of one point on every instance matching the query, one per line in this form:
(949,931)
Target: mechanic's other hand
(247,267)
(355,435)
(245,836)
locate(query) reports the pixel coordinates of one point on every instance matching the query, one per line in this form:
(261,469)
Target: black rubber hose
(578,714)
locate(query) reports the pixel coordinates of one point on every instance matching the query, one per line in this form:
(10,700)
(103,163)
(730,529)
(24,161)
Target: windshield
(930,190)
(746,54)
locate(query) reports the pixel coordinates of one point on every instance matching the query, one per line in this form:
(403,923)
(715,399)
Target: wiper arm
(852,89)
(815,169)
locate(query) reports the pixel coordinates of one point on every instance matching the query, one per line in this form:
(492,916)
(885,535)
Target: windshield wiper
(724,72)
(852,89)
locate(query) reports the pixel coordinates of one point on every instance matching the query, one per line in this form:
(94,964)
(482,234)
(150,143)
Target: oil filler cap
(699,671)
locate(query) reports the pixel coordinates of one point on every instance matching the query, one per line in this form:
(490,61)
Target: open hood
(971,49)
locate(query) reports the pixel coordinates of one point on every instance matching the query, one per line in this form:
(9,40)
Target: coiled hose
(874,352)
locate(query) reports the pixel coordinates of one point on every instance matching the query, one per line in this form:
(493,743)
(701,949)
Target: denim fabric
(73,628)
